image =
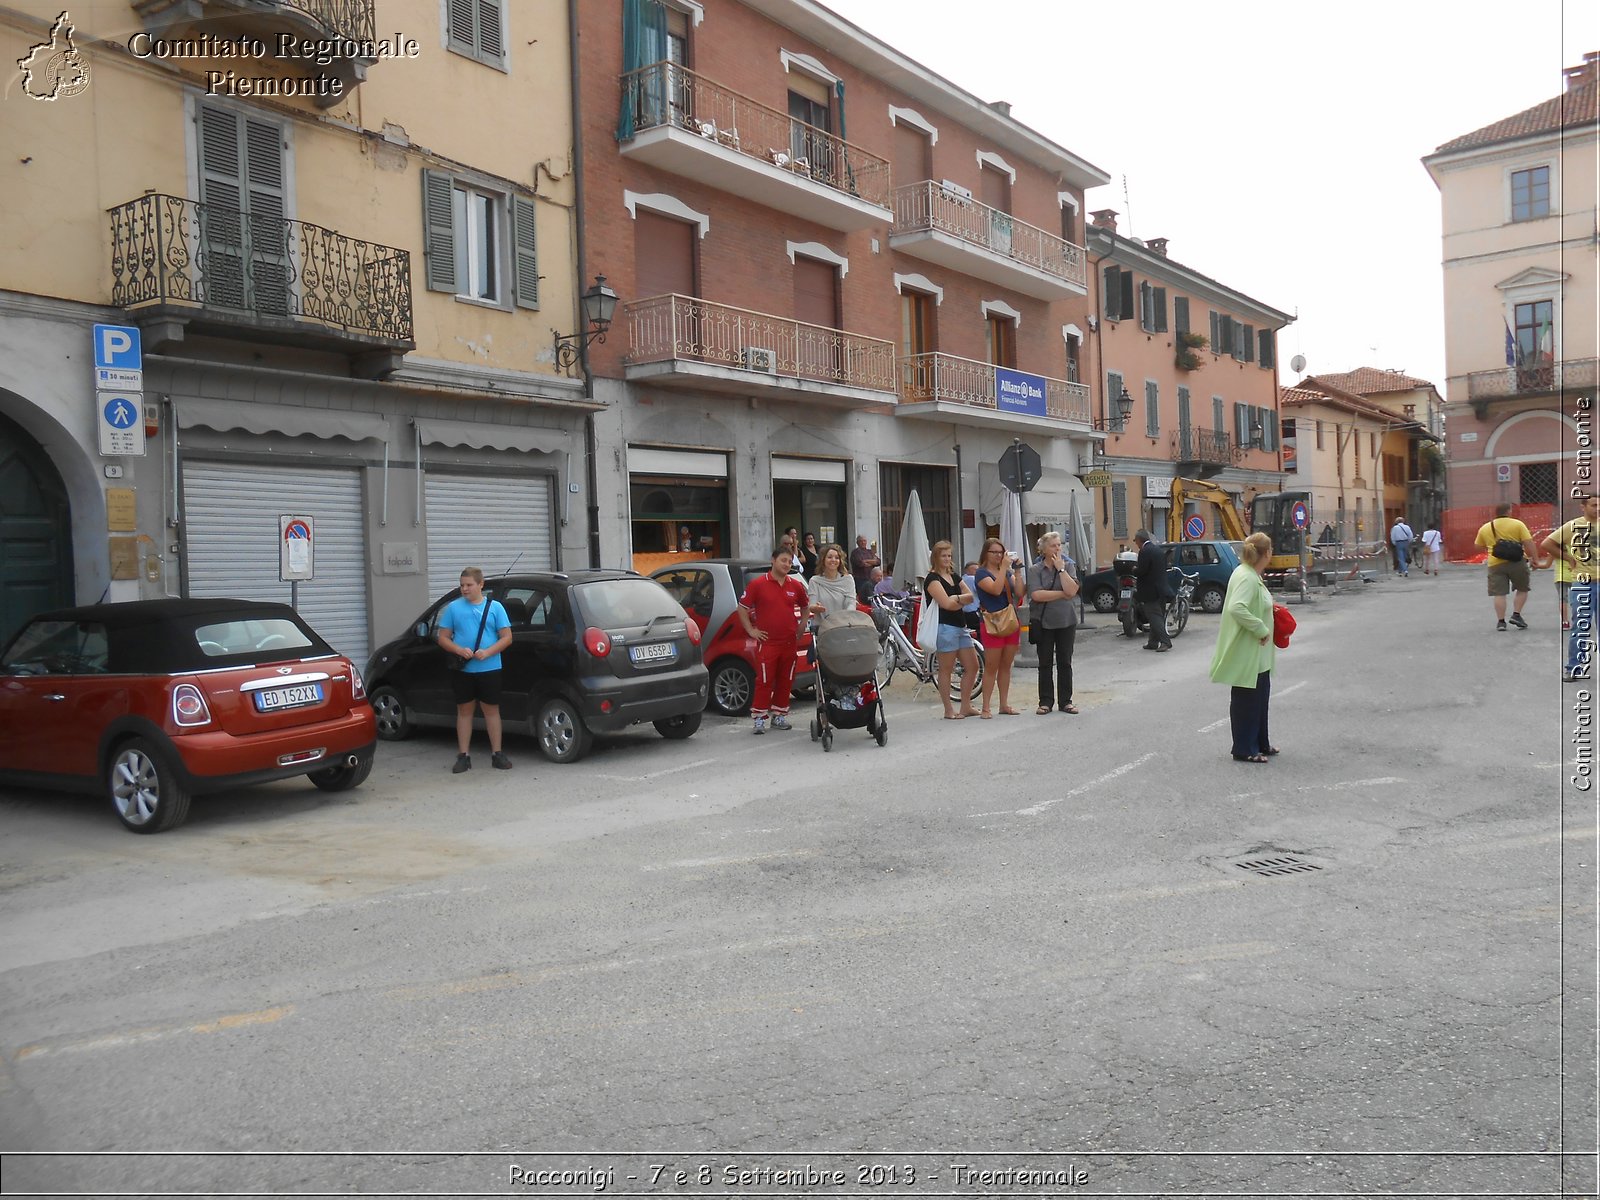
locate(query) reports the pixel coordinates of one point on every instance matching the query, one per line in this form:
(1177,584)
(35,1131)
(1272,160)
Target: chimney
(1585,73)
(1003,107)
(1157,246)
(1105,218)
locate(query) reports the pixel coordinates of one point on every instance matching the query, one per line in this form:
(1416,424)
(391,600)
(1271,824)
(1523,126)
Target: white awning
(1050,502)
(288,419)
(527,438)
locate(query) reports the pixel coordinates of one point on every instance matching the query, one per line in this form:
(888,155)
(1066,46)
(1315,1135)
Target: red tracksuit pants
(774,678)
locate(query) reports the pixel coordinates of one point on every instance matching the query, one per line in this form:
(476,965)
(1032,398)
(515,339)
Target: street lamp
(599,305)
(1115,424)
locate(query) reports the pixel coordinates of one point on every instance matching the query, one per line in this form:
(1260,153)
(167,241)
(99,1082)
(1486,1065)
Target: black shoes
(1500,626)
(500,761)
(463,763)
(1516,619)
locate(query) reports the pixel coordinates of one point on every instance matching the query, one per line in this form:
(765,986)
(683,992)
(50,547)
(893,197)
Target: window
(1180,315)
(994,187)
(913,152)
(61,648)
(1266,348)
(1073,347)
(243,251)
(1119,509)
(1241,425)
(1372,445)
(1319,435)
(1152,407)
(932,484)
(1113,391)
(1530,194)
(1118,297)
(1535,333)
(1001,338)
(1069,225)
(1152,308)
(1183,416)
(810,123)
(476,28)
(526,607)
(917,329)
(1537,483)
(477,241)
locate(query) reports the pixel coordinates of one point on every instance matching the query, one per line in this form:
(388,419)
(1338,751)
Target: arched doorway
(35,531)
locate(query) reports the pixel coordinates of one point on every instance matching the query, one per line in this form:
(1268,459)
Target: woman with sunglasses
(1000,586)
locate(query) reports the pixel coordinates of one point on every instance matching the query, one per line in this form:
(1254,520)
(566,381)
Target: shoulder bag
(1002,622)
(1505,549)
(457,663)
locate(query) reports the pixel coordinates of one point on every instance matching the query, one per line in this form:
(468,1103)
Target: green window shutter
(1183,412)
(1247,343)
(1152,407)
(1112,289)
(1113,390)
(1119,509)
(438,231)
(1127,295)
(1160,303)
(1180,314)
(1268,349)
(1241,424)
(491,42)
(1269,419)
(1147,317)
(525,250)
(1216,333)
(1216,415)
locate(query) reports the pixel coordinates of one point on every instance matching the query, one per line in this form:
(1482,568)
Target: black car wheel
(1210,599)
(732,686)
(389,706)
(1104,599)
(343,777)
(678,728)
(144,787)
(563,737)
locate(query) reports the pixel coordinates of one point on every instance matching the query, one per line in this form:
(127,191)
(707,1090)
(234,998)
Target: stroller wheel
(882,735)
(815,731)
(827,740)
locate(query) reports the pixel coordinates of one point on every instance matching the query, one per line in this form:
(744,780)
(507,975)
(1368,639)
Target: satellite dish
(1297,364)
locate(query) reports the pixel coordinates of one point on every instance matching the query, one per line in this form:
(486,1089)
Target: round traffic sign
(1299,515)
(296,529)
(1194,527)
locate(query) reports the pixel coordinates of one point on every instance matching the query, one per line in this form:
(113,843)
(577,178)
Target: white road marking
(1293,687)
(684,864)
(1036,809)
(690,766)
(1342,785)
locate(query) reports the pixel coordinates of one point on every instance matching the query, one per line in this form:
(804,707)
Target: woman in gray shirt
(1051,591)
(832,588)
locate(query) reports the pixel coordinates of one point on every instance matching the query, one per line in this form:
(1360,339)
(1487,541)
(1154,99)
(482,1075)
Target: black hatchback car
(591,652)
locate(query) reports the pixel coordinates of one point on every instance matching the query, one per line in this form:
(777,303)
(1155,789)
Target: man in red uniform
(773,611)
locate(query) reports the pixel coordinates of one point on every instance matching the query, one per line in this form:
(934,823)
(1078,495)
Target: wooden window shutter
(1152,407)
(491,38)
(1269,420)
(1147,319)
(1112,298)
(1216,415)
(1216,332)
(1241,424)
(461,19)
(1113,390)
(1247,343)
(525,252)
(1119,509)
(1180,314)
(1268,355)
(438,231)
(1127,295)
(1160,302)
(1183,411)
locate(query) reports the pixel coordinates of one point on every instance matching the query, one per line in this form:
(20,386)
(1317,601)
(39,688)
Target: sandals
(1042,711)
(1250,758)
(986,715)
(1070,708)
(1010,712)
(1270,751)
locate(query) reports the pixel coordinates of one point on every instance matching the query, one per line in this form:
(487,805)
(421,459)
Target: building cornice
(1112,247)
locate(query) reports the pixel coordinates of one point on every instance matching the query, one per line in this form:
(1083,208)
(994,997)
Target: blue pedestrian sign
(120,416)
(120,413)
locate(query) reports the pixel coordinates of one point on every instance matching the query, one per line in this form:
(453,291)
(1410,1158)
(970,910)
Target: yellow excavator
(1230,528)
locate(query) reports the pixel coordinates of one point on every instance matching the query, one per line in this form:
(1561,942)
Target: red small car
(159,700)
(709,591)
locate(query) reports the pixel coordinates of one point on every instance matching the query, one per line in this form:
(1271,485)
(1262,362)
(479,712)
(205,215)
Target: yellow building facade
(345,250)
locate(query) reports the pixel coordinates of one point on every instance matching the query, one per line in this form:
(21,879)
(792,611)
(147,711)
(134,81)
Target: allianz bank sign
(1019,392)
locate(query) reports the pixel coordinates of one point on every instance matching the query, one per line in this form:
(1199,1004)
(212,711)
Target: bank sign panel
(1018,392)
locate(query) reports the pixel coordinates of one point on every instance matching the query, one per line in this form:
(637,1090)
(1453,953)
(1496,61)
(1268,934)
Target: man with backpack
(1510,553)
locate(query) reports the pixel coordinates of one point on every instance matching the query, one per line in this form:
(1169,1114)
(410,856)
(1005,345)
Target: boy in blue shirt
(476,629)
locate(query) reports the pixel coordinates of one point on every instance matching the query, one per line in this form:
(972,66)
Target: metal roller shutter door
(231,522)
(488,521)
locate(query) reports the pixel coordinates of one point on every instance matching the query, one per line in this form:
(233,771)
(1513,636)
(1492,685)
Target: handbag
(458,663)
(928,624)
(1002,623)
(1505,549)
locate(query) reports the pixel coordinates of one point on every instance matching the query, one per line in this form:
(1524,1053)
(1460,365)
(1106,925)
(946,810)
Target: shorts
(482,686)
(988,639)
(952,638)
(1506,576)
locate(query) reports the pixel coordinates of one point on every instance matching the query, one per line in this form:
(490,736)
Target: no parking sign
(1194,527)
(1299,515)
(295,548)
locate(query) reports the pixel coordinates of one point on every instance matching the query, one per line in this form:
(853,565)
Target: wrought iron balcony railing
(1532,379)
(1203,446)
(967,381)
(664,328)
(258,269)
(932,207)
(351,19)
(665,94)
(348,18)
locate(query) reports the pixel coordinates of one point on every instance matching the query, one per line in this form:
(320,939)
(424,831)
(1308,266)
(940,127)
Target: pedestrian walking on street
(773,612)
(862,559)
(944,589)
(832,588)
(1574,547)
(473,630)
(1054,614)
(1510,552)
(1401,537)
(1432,550)
(1245,654)
(1000,586)
(1151,590)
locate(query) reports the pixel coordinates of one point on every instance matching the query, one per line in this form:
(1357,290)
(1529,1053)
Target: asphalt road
(1025,944)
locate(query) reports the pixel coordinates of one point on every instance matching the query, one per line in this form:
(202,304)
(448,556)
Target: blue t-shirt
(462,620)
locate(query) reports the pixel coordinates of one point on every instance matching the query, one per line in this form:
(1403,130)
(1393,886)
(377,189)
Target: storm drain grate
(1282,864)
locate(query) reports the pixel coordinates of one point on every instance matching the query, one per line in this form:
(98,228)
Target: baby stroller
(846,649)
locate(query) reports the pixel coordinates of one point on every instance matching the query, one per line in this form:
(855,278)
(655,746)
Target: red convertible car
(156,701)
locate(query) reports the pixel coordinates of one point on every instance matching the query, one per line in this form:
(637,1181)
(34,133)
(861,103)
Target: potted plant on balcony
(1188,344)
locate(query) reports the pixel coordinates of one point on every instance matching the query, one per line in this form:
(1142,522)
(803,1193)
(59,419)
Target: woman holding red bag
(1247,652)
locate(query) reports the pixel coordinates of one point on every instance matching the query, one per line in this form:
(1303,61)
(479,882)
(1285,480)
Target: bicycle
(896,653)
(1177,613)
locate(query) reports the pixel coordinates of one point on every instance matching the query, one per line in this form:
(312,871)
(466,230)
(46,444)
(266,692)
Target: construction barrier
(1461,525)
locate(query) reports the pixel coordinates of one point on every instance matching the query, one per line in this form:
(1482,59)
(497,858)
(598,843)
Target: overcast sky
(1278,145)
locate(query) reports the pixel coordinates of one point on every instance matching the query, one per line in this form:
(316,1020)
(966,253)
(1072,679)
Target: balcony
(344,29)
(938,225)
(1203,452)
(684,123)
(182,265)
(963,391)
(1530,381)
(685,342)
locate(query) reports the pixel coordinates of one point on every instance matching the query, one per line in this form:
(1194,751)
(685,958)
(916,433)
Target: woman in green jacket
(1245,653)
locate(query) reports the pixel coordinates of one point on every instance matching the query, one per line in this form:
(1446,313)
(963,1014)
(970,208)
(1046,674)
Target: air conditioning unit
(956,192)
(761,358)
